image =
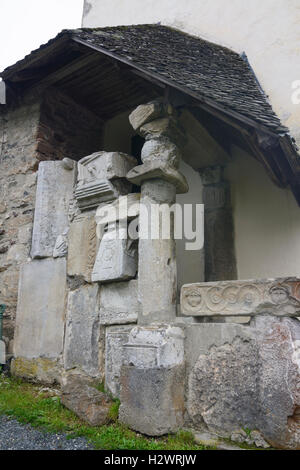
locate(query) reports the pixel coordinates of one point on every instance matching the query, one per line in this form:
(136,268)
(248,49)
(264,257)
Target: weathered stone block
(280,297)
(81,348)
(156,170)
(154,347)
(88,403)
(119,303)
(148,112)
(152,399)
(54,191)
(116,337)
(82,246)
(104,166)
(101,178)
(161,150)
(125,207)
(42,370)
(164,127)
(40,311)
(246,377)
(2,352)
(117,256)
(92,194)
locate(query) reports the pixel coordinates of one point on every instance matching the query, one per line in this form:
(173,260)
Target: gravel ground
(17,436)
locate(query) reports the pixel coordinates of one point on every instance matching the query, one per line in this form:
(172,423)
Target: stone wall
(18,164)
(46,127)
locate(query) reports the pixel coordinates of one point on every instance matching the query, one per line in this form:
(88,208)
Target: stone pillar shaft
(157,260)
(220,262)
(160,180)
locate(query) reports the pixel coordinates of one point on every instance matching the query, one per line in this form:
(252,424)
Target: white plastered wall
(266,219)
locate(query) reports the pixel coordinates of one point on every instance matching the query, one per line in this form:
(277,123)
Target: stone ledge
(279,297)
(152,170)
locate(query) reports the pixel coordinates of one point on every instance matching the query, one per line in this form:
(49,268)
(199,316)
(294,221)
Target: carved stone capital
(155,170)
(101,178)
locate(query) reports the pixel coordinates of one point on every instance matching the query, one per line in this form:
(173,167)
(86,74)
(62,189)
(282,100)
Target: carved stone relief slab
(149,347)
(82,246)
(279,297)
(101,178)
(117,256)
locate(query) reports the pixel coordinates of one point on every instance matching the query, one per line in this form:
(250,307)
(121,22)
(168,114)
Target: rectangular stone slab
(152,399)
(116,337)
(54,190)
(280,297)
(81,348)
(82,246)
(119,303)
(40,312)
(2,352)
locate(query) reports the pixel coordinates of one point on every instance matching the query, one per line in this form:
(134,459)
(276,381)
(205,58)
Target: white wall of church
(266,219)
(267,30)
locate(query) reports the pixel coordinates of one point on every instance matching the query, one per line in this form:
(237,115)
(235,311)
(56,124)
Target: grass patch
(26,403)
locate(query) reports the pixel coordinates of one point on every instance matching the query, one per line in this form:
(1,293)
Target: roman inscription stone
(40,311)
(54,191)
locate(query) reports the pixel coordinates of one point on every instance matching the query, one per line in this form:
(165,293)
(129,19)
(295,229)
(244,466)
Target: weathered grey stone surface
(104,165)
(2,352)
(280,297)
(101,178)
(40,312)
(61,246)
(166,127)
(82,246)
(246,377)
(161,150)
(156,170)
(152,399)
(279,396)
(86,401)
(148,112)
(157,258)
(116,337)
(154,347)
(119,303)
(39,370)
(116,259)
(54,191)
(220,260)
(81,349)
(125,207)
(90,195)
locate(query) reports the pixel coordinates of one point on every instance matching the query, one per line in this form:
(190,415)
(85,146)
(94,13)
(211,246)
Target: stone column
(160,180)
(220,262)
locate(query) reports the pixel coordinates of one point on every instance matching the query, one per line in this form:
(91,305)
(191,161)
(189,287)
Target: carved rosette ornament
(273,297)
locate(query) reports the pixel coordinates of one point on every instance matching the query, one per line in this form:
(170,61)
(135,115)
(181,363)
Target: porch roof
(214,78)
